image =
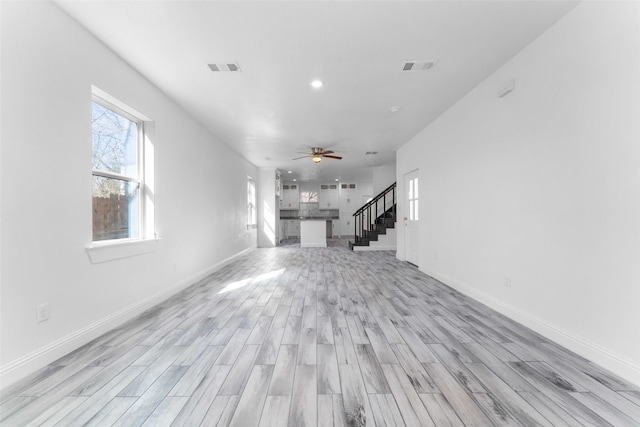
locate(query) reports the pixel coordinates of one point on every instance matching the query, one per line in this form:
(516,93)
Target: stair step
(385,220)
(370,235)
(361,241)
(386,242)
(356,245)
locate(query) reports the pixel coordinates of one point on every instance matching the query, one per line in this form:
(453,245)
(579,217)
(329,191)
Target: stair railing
(368,214)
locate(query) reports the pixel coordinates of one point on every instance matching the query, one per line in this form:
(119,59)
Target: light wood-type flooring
(321,337)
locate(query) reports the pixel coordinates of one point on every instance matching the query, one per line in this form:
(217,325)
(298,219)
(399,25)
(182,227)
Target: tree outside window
(308,197)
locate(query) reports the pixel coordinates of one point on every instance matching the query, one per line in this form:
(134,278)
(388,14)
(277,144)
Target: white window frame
(137,178)
(145,242)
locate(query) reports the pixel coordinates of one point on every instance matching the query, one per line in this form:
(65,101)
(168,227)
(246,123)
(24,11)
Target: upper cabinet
(328,197)
(348,195)
(290,197)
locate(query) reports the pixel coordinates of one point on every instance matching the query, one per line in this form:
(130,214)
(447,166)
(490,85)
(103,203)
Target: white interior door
(411,220)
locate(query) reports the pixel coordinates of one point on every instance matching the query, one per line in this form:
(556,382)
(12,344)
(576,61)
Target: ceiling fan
(317,154)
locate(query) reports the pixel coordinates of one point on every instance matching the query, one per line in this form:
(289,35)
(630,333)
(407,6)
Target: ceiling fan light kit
(317,154)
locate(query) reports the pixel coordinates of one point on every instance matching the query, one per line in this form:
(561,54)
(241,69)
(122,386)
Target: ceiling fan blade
(302,157)
(333,157)
(328,152)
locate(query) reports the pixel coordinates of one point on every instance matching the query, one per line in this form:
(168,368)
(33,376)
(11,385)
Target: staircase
(375,223)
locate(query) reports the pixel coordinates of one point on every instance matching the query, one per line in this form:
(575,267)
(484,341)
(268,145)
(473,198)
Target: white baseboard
(29,364)
(612,362)
(374,248)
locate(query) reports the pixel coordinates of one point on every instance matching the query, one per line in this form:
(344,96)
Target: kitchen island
(313,233)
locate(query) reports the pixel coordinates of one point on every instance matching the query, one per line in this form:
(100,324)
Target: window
(308,197)
(252,219)
(118,158)
(413,199)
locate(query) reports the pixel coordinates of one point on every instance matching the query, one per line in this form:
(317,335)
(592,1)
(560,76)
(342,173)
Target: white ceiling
(269,111)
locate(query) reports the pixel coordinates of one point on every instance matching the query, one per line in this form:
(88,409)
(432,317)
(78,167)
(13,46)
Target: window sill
(102,252)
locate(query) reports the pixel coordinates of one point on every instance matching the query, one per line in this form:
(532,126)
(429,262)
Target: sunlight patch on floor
(244,282)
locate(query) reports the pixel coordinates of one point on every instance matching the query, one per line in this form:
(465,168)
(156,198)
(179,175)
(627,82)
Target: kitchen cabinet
(290,197)
(313,234)
(292,228)
(328,196)
(282,234)
(346,224)
(335,228)
(348,198)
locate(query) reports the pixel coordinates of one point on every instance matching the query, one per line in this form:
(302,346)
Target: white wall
(365,188)
(543,186)
(48,66)
(268,209)
(308,186)
(383,177)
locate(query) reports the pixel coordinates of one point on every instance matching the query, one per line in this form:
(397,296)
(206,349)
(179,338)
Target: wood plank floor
(321,337)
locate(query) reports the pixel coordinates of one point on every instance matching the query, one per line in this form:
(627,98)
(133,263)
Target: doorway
(411,221)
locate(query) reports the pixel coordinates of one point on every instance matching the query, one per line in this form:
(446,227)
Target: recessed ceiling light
(317,84)
(294,179)
(289,172)
(395,109)
(336,179)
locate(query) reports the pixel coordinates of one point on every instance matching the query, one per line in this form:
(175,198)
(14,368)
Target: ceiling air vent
(225,67)
(422,65)
(370,153)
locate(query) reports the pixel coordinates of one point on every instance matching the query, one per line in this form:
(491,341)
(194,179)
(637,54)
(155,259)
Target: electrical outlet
(42,312)
(507,281)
